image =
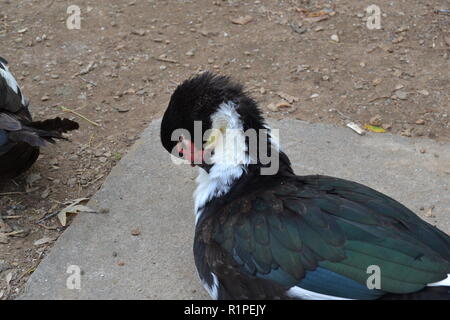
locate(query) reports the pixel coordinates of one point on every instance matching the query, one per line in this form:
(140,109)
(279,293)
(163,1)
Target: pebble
(424,92)
(335,38)
(191,53)
(420,122)
(45,98)
(402,95)
(71,182)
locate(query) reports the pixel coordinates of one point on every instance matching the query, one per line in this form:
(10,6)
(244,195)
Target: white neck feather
(230,158)
(11,81)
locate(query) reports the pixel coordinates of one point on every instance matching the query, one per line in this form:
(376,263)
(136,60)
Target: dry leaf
(287,97)
(42,241)
(73,207)
(374,128)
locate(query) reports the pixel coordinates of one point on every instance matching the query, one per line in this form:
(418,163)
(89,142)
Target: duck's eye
(180,138)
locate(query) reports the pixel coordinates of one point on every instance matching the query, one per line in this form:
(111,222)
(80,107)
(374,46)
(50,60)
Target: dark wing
(322,234)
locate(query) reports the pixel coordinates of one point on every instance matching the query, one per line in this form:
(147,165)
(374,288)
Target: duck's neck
(220,179)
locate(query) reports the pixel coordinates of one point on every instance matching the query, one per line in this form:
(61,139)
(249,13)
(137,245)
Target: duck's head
(211,120)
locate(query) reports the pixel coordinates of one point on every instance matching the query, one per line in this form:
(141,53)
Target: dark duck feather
(283,236)
(20,137)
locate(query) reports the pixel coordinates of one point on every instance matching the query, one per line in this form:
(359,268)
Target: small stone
(424,92)
(139,32)
(376,81)
(420,122)
(314,95)
(191,53)
(399,86)
(45,98)
(243,20)
(398,73)
(422,150)
(71,182)
(402,95)
(120,263)
(335,38)
(325,78)
(136,232)
(398,39)
(163,67)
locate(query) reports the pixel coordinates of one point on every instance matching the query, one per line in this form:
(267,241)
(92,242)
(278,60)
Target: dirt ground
(312,60)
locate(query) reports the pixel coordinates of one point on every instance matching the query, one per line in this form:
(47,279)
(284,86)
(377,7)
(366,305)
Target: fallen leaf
(242,20)
(287,97)
(73,207)
(42,241)
(283,104)
(374,128)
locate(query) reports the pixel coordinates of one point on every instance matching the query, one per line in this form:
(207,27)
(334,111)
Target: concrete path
(146,191)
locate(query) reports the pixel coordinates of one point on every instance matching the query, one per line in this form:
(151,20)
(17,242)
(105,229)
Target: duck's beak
(187,150)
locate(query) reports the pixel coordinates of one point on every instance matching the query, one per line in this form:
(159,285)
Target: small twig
(88,81)
(165,59)
(14,233)
(51,215)
(10,217)
(11,193)
(80,115)
(377,98)
(46,227)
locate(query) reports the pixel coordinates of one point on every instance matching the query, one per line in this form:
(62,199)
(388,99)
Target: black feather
(20,136)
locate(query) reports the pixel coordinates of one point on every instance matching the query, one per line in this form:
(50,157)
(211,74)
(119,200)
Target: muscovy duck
(20,137)
(283,236)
